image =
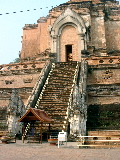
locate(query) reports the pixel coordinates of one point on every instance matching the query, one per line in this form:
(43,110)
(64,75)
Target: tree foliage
(16,60)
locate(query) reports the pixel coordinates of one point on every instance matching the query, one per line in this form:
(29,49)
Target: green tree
(16,60)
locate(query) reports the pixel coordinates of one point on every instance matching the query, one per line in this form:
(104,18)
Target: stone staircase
(56,94)
(103,139)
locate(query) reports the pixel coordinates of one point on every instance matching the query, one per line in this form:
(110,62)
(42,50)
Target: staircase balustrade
(40,96)
(38,86)
(72,89)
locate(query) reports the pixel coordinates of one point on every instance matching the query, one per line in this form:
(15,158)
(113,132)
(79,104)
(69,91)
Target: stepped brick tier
(69,67)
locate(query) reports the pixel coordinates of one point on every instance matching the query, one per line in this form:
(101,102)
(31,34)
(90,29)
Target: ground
(26,151)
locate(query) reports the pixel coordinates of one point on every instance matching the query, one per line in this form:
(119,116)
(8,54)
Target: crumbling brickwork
(20,76)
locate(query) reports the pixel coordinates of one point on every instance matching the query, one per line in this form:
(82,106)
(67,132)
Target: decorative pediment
(68,17)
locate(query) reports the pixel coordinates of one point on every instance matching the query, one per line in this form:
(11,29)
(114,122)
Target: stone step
(51,91)
(51,112)
(58,81)
(62,106)
(49,106)
(54,98)
(65,71)
(68,88)
(61,70)
(56,87)
(56,104)
(56,75)
(59,93)
(54,101)
(65,64)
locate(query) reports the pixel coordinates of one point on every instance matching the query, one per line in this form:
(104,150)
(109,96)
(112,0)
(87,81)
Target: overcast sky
(11,24)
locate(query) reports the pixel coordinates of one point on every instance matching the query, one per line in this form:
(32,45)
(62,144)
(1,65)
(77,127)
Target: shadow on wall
(103,117)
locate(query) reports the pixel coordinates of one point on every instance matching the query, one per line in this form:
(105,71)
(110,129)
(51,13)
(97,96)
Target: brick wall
(65,39)
(20,76)
(98,30)
(103,100)
(104,76)
(112,35)
(29,43)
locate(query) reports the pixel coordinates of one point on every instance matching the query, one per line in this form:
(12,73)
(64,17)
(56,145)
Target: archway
(68,21)
(69,44)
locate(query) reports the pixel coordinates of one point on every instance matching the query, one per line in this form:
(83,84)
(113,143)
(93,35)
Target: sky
(11,24)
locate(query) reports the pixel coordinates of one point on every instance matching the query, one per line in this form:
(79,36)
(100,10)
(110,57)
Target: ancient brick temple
(69,67)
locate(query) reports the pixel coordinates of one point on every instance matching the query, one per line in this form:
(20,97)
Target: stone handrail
(38,86)
(77,102)
(72,90)
(41,93)
(82,87)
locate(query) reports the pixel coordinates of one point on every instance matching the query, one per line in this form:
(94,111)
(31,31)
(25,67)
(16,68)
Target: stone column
(82,92)
(112,26)
(55,46)
(58,48)
(98,32)
(81,45)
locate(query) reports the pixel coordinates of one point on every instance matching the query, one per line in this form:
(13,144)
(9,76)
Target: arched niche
(73,20)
